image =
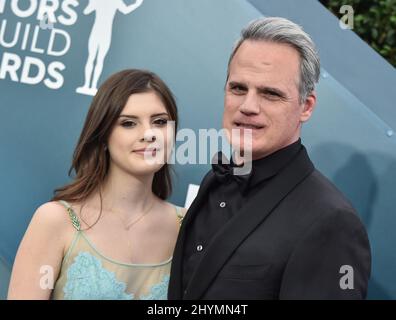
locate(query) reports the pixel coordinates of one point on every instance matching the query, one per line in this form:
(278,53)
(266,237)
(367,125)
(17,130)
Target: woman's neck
(124,193)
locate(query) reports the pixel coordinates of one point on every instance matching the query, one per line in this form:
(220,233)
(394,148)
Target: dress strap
(179,214)
(73,217)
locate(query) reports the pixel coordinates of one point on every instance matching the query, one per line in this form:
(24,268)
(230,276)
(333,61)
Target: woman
(110,233)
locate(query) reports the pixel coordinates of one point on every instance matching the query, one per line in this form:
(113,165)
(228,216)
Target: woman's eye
(161,122)
(128,124)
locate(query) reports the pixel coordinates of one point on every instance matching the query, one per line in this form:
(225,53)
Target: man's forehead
(260,63)
(262,54)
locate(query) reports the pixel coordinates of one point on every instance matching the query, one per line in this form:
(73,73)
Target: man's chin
(245,154)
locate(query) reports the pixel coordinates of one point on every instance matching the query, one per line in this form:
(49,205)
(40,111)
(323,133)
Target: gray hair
(281,30)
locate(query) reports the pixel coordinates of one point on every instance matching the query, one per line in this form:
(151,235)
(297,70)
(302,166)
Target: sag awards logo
(42,45)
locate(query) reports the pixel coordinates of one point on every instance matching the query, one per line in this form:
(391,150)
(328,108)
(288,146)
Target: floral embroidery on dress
(158,291)
(88,280)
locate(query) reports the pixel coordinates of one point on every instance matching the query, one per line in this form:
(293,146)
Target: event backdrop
(44,49)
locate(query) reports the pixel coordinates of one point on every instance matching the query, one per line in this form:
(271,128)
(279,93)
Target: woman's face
(142,137)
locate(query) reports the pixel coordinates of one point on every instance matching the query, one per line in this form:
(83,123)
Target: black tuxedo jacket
(295,238)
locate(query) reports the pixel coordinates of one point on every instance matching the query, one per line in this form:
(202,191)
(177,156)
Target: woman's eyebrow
(159,114)
(136,117)
(128,116)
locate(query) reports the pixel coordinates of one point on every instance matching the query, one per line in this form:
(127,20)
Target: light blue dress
(86,274)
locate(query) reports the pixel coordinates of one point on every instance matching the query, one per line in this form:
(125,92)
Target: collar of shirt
(267,167)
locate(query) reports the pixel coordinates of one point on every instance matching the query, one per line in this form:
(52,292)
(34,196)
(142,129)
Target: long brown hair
(91,158)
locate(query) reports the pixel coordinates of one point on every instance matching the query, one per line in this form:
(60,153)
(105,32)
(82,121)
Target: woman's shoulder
(180,211)
(51,215)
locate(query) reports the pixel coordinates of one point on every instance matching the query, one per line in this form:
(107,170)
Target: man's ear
(308,107)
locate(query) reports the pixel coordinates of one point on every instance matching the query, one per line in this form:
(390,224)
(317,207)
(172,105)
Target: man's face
(262,97)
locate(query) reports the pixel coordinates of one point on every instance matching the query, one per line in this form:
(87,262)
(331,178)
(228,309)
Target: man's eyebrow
(262,89)
(136,117)
(236,83)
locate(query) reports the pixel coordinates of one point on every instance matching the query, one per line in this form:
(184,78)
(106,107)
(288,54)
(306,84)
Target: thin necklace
(128,225)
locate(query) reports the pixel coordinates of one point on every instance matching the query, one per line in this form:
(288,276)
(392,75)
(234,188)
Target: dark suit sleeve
(313,270)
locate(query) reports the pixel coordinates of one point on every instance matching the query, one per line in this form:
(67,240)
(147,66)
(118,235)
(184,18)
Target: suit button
(199,248)
(222,204)
(185,292)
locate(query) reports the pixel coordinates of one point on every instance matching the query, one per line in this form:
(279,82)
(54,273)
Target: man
(284,231)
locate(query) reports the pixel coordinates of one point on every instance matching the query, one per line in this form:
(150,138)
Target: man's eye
(238,89)
(272,95)
(128,124)
(160,122)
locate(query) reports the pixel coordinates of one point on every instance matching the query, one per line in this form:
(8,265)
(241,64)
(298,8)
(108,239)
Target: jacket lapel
(176,279)
(240,226)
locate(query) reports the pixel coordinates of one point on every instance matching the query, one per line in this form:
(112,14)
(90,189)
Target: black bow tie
(226,171)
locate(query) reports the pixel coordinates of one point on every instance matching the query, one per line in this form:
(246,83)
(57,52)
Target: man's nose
(251,104)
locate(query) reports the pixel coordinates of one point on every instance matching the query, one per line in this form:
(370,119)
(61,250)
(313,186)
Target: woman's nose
(149,135)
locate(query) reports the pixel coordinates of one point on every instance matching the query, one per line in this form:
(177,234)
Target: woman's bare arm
(40,254)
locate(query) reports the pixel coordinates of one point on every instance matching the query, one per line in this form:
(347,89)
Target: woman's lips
(146,152)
